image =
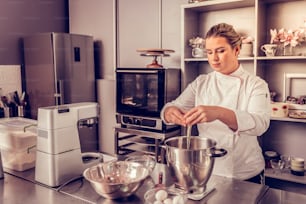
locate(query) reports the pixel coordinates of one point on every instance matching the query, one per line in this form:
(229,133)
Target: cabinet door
(138,24)
(171,31)
(96,18)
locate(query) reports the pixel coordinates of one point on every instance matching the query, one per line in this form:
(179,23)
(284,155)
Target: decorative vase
(246,50)
(197,52)
(288,51)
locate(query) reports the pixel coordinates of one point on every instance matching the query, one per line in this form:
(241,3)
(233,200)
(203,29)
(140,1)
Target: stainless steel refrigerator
(59,69)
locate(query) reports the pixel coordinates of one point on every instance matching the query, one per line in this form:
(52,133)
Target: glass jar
(270,155)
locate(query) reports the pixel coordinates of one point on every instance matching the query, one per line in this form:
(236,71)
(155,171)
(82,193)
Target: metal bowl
(191,166)
(116,179)
(147,160)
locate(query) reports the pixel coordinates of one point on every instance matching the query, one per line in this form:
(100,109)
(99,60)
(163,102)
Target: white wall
(97,18)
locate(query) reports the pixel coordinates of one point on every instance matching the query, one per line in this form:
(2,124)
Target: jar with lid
(269,155)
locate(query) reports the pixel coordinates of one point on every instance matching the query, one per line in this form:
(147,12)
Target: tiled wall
(10,79)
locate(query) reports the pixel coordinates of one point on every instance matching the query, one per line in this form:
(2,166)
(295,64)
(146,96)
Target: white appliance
(58,157)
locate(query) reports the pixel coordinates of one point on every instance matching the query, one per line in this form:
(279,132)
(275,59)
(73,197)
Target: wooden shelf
(282,58)
(289,120)
(285,175)
(261,58)
(218,5)
(205,59)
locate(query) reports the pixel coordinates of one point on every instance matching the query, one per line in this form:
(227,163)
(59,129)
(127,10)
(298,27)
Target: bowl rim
(137,179)
(168,142)
(139,156)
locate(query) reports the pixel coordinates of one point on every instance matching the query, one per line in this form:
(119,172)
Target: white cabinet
(96,18)
(148,24)
(138,24)
(171,31)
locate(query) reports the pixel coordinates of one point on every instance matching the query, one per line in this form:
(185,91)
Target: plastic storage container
(18,143)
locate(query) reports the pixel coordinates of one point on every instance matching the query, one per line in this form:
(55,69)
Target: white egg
(161,195)
(179,199)
(168,201)
(158,202)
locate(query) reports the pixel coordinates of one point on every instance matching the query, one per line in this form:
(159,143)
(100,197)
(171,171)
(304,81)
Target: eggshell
(178,200)
(168,201)
(161,195)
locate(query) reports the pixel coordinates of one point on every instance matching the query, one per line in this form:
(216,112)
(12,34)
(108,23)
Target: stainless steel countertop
(14,190)
(23,189)
(226,190)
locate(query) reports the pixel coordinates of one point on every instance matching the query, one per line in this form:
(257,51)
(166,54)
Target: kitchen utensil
(1,167)
(269,155)
(287,160)
(146,160)
(277,165)
(116,179)
(188,135)
(191,167)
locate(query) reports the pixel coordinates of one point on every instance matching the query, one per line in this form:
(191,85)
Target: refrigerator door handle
(59,100)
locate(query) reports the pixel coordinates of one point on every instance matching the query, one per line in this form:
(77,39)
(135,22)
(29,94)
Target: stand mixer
(58,156)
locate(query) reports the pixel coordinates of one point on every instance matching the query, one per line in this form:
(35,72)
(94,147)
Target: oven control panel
(143,122)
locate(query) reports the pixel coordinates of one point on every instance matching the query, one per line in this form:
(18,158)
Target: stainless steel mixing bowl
(116,179)
(191,167)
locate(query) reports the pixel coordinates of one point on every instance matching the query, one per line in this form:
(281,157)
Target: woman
(228,105)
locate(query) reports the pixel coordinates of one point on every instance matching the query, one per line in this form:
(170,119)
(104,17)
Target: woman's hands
(195,115)
(201,114)
(175,115)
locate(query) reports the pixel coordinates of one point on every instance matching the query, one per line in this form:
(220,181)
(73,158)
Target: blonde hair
(227,31)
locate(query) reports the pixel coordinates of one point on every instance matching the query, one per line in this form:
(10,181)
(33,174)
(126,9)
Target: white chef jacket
(248,96)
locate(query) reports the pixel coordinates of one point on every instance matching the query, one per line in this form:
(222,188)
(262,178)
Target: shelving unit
(289,120)
(251,18)
(197,18)
(285,175)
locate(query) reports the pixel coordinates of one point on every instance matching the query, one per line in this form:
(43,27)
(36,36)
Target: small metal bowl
(147,160)
(165,195)
(116,179)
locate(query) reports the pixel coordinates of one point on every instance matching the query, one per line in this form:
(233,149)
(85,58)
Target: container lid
(18,124)
(17,134)
(271,154)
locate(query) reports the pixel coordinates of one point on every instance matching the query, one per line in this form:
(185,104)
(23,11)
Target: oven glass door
(140,92)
